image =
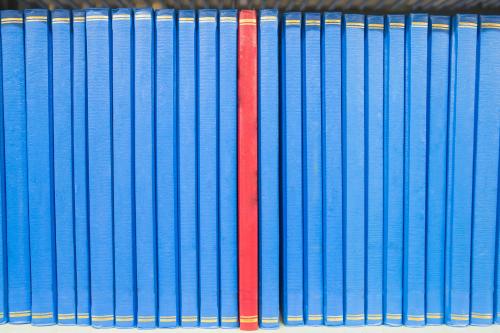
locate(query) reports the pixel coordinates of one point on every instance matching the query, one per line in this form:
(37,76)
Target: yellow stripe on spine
(250,20)
(97,18)
(12,20)
(293,22)
(186,19)
(83,316)
(415,318)
(477,315)
(313,22)
(78,19)
(269,18)
(434,315)
(207,19)
(393,316)
(490,25)
(355,25)
(332,21)
(471,25)
(60,20)
(250,320)
(396,25)
(164,18)
(441,26)
(102,318)
(375,26)
(420,24)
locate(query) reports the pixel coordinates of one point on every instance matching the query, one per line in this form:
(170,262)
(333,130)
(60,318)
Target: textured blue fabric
(16,168)
(123,173)
(166,166)
(460,169)
(3,221)
(291,171)
(187,167)
(228,208)
(40,166)
(100,166)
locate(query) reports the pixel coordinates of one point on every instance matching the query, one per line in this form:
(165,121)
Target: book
(187,168)
(248,206)
(16,167)
(394,75)
(144,168)
(485,204)
(269,214)
(3,221)
(461,128)
(353,123)
(99,115)
(123,173)
(437,136)
(333,262)
(228,172)
(291,170)
(166,161)
(63,166)
(374,140)
(40,166)
(312,172)
(415,169)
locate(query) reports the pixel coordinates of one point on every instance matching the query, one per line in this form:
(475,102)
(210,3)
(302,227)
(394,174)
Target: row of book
(231,168)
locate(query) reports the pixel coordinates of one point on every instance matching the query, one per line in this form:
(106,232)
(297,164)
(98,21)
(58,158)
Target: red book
(248,205)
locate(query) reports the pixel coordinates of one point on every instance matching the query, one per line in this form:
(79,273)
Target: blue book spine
(486,177)
(228,219)
(439,47)
(460,169)
(187,169)
(40,185)
(291,171)
(353,140)
(415,169)
(123,174)
(374,141)
(3,220)
(207,168)
(166,161)
(333,239)
(145,170)
(269,215)
(100,166)
(63,166)
(394,52)
(312,172)
(16,167)
(80,180)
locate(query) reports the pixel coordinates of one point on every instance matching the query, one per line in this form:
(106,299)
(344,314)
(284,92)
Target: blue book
(460,168)
(374,140)
(486,175)
(123,173)
(166,161)
(269,215)
(415,169)
(80,180)
(291,170)
(333,263)
(353,123)
(100,166)
(16,167)
(312,172)
(63,166)
(228,214)
(40,167)
(437,136)
(3,220)
(187,169)
(145,170)
(207,168)
(394,75)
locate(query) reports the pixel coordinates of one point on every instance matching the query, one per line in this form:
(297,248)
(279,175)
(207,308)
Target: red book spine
(248,206)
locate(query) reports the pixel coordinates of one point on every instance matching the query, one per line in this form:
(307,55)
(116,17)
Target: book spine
(312,172)
(486,175)
(166,161)
(16,167)
(374,141)
(291,170)
(144,125)
(439,41)
(460,169)
(187,169)
(207,167)
(269,215)
(123,163)
(228,213)
(80,180)
(333,266)
(63,166)
(353,121)
(100,186)
(3,220)
(415,169)
(248,206)
(39,147)
(394,51)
